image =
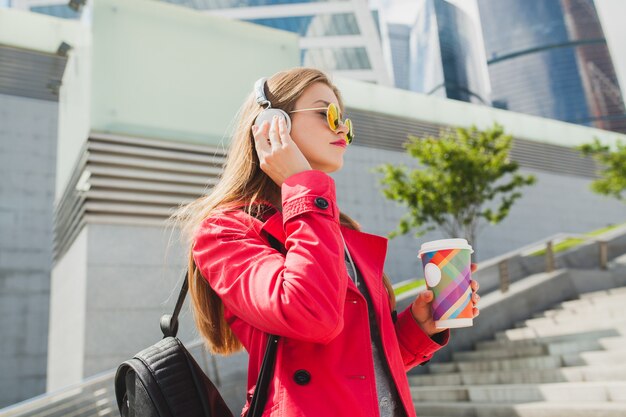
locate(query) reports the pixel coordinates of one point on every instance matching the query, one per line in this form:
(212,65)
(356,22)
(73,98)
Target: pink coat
(324,363)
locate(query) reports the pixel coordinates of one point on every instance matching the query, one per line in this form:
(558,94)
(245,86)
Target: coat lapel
(368,253)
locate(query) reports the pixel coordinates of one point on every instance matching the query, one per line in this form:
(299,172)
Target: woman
(342,349)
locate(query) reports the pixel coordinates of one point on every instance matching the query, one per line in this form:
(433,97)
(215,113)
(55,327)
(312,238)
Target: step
(514,352)
(594,294)
(602,391)
(535,376)
(614,300)
(441,394)
(587,335)
(572,326)
(613,343)
(536,409)
(618,290)
(612,311)
(569,317)
(603,293)
(573,346)
(560,330)
(611,391)
(555,348)
(594,358)
(533,362)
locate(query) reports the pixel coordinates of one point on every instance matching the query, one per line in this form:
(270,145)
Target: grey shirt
(389,402)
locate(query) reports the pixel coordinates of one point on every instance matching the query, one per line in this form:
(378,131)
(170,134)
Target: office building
(551,59)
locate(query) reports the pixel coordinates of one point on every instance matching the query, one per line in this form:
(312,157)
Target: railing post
(503,267)
(549,256)
(604,254)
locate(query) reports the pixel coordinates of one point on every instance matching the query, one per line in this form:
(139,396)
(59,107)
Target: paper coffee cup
(447,270)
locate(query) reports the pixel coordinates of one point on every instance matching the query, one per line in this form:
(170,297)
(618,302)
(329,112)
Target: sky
(612,13)
(399,11)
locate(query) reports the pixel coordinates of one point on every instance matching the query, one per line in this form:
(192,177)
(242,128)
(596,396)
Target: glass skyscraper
(397,49)
(550,58)
(441,53)
(444,36)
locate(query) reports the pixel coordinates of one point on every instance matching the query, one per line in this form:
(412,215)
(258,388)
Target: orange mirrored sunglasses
(333,117)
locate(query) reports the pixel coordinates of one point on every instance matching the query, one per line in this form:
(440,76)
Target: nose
(342,127)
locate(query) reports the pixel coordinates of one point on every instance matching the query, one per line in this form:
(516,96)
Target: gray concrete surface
(28,130)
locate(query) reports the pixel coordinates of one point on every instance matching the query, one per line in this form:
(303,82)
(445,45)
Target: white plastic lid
(441,244)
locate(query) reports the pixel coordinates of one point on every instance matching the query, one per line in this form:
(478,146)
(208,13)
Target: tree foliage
(613,174)
(463,170)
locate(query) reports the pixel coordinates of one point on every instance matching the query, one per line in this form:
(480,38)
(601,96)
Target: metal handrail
(501,261)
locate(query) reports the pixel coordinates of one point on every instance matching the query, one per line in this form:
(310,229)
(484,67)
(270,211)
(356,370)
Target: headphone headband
(259,90)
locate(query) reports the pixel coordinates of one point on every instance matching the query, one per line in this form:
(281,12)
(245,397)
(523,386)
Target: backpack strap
(169,322)
(259,398)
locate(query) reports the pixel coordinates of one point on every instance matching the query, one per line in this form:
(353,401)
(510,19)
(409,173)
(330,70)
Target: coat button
(321,202)
(302,377)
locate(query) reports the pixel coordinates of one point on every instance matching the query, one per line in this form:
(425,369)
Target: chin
(329,167)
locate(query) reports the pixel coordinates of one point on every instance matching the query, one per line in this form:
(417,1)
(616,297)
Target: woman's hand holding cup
(279,156)
(422,311)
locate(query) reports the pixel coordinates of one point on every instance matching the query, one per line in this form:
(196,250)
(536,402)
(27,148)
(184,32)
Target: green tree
(463,170)
(613,174)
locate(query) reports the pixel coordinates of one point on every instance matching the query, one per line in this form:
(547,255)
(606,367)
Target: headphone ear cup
(269,114)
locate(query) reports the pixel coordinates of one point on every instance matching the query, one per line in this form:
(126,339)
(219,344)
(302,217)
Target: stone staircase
(565,362)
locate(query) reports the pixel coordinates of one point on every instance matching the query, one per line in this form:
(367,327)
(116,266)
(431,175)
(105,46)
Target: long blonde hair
(243,182)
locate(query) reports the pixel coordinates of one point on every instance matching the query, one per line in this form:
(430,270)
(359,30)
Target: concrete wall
(27,164)
(556,203)
(66,341)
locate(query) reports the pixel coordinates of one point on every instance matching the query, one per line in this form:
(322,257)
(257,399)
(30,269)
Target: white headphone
(268,113)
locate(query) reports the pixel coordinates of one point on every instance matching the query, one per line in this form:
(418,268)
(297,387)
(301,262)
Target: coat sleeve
(300,295)
(416,346)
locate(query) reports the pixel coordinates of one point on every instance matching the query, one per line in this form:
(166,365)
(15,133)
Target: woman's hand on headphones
(279,156)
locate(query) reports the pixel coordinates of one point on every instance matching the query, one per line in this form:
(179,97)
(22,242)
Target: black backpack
(164,380)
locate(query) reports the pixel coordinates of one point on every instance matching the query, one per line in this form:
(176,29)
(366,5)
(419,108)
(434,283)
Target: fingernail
(275,117)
